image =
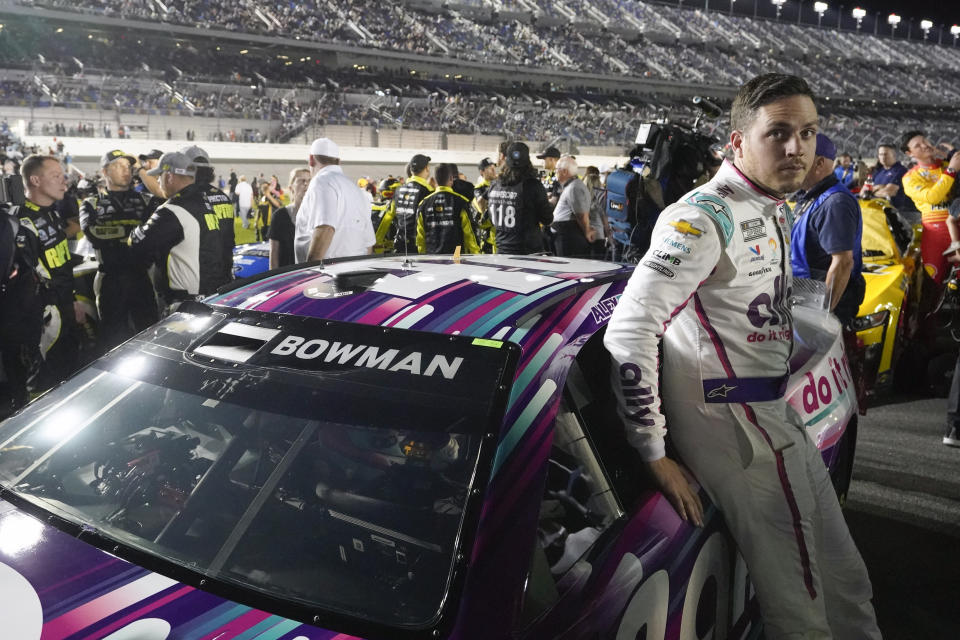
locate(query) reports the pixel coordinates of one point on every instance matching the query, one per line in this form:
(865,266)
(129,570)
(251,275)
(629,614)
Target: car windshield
(327,464)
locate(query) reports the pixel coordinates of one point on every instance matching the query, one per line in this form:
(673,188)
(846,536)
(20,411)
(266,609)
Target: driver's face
(776,149)
(920,149)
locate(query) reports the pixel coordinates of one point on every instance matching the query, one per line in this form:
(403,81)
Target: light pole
(859,14)
(731,6)
(820,8)
(779,4)
(893,20)
(925,26)
(955,31)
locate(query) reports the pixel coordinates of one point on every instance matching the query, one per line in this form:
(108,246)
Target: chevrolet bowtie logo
(687,229)
(720,392)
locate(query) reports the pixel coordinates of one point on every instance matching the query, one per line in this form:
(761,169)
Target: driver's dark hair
(763,90)
(907,137)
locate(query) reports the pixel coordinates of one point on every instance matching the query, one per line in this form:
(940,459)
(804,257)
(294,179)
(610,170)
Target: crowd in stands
(137,73)
(639,38)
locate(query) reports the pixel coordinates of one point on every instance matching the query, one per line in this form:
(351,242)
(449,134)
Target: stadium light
(779,4)
(820,8)
(925,26)
(893,20)
(955,31)
(859,14)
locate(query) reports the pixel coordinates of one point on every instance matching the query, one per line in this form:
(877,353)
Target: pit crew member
(125,299)
(182,236)
(443,218)
(44,184)
(517,205)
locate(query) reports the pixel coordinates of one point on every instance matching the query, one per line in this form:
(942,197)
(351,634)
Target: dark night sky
(941,12)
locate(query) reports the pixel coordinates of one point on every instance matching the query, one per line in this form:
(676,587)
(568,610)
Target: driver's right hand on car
(671,480)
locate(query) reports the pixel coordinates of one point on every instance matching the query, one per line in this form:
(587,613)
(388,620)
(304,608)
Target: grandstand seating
(600,37)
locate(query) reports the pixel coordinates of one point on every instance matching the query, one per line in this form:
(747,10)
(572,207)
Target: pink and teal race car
(379,448)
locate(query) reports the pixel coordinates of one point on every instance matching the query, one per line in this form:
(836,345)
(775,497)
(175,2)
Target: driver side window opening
(592,473)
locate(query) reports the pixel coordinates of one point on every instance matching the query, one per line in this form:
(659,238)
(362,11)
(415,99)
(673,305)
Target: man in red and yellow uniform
(930,184)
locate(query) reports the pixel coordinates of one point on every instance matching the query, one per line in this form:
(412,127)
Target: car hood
(56,586)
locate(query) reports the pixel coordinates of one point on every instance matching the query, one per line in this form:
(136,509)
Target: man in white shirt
(244,201)
(334,218)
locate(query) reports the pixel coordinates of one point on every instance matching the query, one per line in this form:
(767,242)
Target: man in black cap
(405,204)
(182,236)
(548,177)
(222,205)
(487,237)
(550,156)
(124,295)
(144,183)
(517,204)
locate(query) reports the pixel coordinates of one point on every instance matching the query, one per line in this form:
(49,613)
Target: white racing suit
(714,285)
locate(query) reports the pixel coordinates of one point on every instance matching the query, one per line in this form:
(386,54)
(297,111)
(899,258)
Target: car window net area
(361,517)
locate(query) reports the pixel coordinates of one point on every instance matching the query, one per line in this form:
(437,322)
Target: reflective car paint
(646,570)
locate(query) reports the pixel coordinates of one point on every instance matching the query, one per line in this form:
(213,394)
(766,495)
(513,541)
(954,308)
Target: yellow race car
(888,314)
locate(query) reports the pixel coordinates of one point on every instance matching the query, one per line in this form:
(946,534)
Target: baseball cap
(518,155)
(825,147)
(418,163)
(325,147)
(196,154)
(486,162)
(550,152)
(110,156)
(174,162)
(153,154)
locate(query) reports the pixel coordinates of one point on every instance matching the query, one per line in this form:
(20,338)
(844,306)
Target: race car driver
(930,184)
(718,272)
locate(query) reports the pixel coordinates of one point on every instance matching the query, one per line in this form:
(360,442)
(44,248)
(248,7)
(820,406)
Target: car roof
(485,296)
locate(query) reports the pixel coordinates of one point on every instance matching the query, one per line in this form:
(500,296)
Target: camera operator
(125,298)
